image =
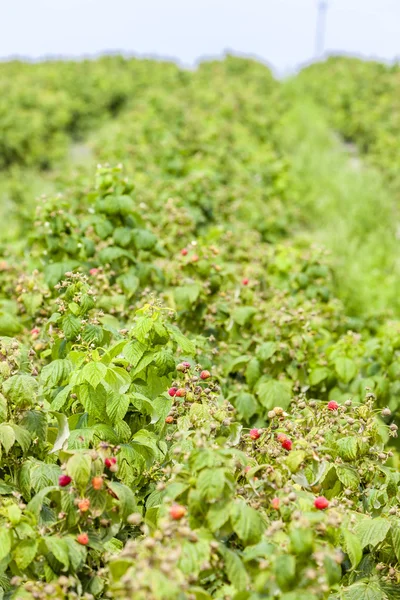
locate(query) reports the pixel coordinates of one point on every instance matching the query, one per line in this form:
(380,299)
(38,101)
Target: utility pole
(321,26)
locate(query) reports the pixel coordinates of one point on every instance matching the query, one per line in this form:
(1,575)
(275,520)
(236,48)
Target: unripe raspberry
(183,366)
(64,480)
(177,512)
(287,444)
(332,405)
(321,503)
(134,519)
(109,462)
(386,412)
(94,271)
(205,375)
(275,502)
(281,437)
(254,434)
(172,391)
(114,468)
(84,505)
(278,411)
(82,539)
(97,483)
(181,393)
(169,419)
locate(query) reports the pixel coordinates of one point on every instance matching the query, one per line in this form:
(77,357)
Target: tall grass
(347,206)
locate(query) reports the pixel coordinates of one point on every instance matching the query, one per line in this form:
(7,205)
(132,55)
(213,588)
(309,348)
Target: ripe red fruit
(332,405)
(84,504)
(321,503)
(275,502)
(82,539)
(94,271)
(109,462)
(177,512)
(35,331)
(184,366)
(169,419)
(205,374)
(281,437)
(181,393)
(172,391)
(245,281)
(287,444)
(254,434)
(97,483)
(184,251)
(64,480)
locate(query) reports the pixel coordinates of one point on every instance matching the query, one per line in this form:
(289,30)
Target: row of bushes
(187,410)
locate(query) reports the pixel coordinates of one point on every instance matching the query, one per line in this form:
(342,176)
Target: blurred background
(281,32)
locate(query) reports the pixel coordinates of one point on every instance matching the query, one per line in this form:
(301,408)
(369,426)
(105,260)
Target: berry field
(199,331)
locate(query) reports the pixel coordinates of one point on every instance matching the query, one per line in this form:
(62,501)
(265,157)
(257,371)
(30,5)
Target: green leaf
(22,436)
(347,448)
(143,239)
(94,373)
(56,372)
(71,326)
(348,476)
(246,405)
(134,351)
(21,389)
(94,400)
(117,379)
(59,548)
(7,437)
(79,467)
(395,530)
(243,314)
(187,295)
(318,375)
(117,406)
(246,522)
(62,433)
(371,532)
(5,542)
(346,369)
(142,327)
(61,398)
(252,372)
(126,497)
(274,393)
(266,350)
(186,345)
(285,571)
(294,459)
(352,547)
(234,568)
(211,483)
(25,552)
(370,590)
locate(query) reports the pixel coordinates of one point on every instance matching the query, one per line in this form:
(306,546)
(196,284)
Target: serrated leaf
(25,552)
(274,393)
(126,497)
(5,542)
(71,326)
(79,467)
(243,314)
(347,448)
(59,548)
(21,389)
(117,406)
(371,532)
(62,433)
(318,375)
(134,351)
(346,369)
(352,547)
(211,483)
(266,351)
(348,476)
(234,568)
(370,590)
(246,405)
(56,372)
(22,436)
(94,373)
(7,437)
(186,345)
(294,459)
(246,522)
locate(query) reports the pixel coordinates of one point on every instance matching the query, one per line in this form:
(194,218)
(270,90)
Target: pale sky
(281,32)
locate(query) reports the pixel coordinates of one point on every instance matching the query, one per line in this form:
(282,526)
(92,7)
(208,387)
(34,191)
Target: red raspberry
(94,271)
(64,480)
(287,444)
(205,374)
(109,462)
(82,539)
(172,391)
(245,281)
(332,405)
(181,393)
(177,512)
(169,419)
(184,252)
(254,434)
(35,331)
(321,503)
